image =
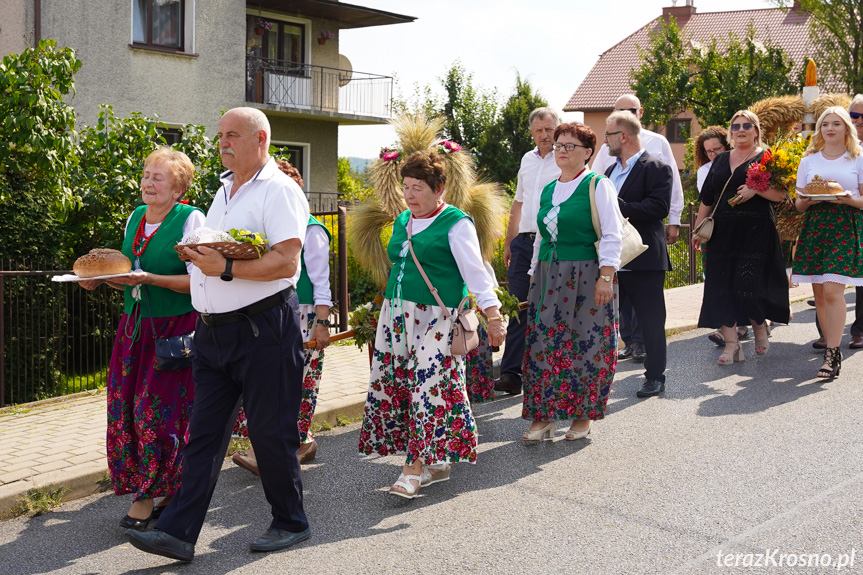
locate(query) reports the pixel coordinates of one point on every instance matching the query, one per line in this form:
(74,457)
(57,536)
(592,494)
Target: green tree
(836,30)
(350,187)
(470,111)
(508,139)
(712,80)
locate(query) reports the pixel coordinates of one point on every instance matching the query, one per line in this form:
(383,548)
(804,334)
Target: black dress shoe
(856,342)
(638,353)
(136,524)
(650,388)
(275,539)
(160,543)
(625,353)
(509,383)
(811,302)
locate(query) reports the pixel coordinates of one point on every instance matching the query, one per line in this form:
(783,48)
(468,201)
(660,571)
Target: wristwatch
(324,322)
(227,275)
(606,278)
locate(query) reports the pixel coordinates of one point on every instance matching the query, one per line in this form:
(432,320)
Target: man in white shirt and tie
(658,146)
(537,169)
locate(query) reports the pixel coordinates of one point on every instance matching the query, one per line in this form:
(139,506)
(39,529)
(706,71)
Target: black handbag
(175,351)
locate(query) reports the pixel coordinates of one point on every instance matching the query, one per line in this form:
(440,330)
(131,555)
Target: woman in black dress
(745,282)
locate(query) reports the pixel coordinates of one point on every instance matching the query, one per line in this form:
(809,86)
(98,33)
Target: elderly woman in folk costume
(418,402)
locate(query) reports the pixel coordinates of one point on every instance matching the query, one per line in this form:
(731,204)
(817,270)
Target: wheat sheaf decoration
(778,114)
(483,201)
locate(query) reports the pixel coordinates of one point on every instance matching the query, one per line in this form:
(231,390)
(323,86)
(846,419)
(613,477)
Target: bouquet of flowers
(364,321)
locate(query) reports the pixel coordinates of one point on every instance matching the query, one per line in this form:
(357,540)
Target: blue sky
(553,43)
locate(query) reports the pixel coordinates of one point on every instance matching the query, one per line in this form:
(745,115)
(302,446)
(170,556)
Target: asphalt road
(733,462)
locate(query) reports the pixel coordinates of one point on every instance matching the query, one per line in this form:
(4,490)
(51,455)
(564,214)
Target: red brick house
(609,77)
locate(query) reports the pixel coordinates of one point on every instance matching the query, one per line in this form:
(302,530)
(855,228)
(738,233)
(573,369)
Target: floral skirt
(571,344)
(480,370)
(417,402)
(148,410)
(829,248)
(313,367)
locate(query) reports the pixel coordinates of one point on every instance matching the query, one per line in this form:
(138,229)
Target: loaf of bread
(818,187)
(101,262)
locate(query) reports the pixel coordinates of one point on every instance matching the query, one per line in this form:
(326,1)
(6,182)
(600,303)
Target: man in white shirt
(537,169)
(658,146)
(248,343)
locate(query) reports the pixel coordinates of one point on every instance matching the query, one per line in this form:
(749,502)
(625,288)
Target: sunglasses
(855,115)
(745,126)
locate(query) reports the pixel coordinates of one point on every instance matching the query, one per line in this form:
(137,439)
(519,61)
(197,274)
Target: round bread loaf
(819,187)
(101,262)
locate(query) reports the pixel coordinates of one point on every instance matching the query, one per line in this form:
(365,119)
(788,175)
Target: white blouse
(847,171)
(610,218)
(193,222)
(316,258)
(464,244)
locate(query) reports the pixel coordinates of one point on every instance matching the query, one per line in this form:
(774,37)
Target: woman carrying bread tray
(829,249)
(149,409)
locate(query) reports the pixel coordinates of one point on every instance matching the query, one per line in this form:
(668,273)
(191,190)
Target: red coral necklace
(142,240)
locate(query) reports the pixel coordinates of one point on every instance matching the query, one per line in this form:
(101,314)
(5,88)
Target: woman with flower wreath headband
(830,254)
(149,409)
(417,403)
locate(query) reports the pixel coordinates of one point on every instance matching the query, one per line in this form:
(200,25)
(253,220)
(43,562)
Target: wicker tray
(231,250)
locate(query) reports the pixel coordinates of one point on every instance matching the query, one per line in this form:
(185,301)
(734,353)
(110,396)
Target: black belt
(529,235)
(244,313)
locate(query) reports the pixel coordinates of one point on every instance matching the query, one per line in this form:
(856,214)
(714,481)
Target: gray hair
(543,113)
(256,120)
(857,101)
(626,122)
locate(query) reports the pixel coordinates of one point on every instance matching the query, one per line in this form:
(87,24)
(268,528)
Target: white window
(166,25)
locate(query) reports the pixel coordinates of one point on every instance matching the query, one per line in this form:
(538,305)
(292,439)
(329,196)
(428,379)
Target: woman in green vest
(571,335)
(149,409)
(417,403)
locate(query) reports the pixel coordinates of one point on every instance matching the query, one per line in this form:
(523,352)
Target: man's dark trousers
(267,371)
(630,329)
(518,284)
(644,288)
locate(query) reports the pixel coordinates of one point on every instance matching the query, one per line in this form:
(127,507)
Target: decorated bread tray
(74,278)
(823,196)
(231,250)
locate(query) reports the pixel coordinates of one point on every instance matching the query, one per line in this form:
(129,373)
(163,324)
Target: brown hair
(578,131)
(709,133)
(291,171)
(179,165)
(426,166)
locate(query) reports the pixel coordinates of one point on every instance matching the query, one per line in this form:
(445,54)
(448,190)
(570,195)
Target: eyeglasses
(633,110)
(855,115)
(714,151)
(607,134)
(745,126)
(567,147)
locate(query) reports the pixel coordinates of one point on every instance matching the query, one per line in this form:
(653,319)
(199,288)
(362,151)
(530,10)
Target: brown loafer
(307,451)
(819,343)
(856,342)
(246,460)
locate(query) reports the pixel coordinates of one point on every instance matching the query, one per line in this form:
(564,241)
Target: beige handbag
(465,334)
(631,245)
(704,230)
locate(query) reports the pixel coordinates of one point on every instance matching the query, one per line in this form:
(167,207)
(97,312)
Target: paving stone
(53,466)
(17,475)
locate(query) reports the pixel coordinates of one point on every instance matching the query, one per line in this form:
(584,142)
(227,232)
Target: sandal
(832,363)
(442,473)
(404,481)
(729,358)
(762,344)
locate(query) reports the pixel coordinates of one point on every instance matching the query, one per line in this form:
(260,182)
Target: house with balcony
(186,61)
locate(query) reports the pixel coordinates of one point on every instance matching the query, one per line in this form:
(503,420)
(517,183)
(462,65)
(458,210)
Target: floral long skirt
(313,367)
(571,344)
(417,402)
(480,370)
(830,245)
(148,410)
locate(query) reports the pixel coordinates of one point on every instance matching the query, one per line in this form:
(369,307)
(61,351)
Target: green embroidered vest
(575,236)
(305,290)
(159,258)
(432,248)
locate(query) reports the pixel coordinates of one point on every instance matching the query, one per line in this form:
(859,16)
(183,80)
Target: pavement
(61,442)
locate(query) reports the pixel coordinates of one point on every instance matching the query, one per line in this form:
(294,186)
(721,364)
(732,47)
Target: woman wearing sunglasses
(745,281)
(829,255)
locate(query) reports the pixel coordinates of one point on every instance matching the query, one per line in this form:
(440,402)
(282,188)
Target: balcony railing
(318,88)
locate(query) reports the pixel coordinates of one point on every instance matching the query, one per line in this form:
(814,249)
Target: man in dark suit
(644,185)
